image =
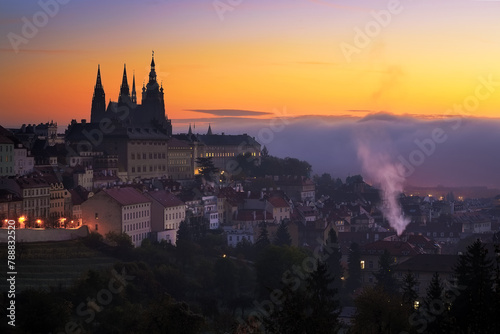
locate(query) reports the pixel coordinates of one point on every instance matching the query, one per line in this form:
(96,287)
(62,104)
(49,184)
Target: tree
(472,308)
(323,300)
(122,240)
(282,237)
(384,276)
(207,169)
(310,308)
(410,295)
(264,153)
(435,309)
(378,312)
(263,239)
(184,232)
(225,278)
(275,264)
(353,282)
(333,260)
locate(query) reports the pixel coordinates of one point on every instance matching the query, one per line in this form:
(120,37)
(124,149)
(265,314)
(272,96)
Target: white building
(167,213)
(119,210)
(210,211)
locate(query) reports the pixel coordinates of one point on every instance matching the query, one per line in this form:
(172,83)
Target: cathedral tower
(98,99)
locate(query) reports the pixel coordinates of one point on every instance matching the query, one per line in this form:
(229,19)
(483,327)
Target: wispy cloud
(41,51)
(230,112)
(332,4)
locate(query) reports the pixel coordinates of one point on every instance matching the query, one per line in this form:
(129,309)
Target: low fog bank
(453,152)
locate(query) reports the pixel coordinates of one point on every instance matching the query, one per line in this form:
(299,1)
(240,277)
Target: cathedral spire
(209,129)
(98,99)
(134,95)
(124,89)
(98,84)
(152,73)
(190,132)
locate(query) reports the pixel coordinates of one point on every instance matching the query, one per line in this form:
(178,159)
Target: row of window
(8,148)
(7,170)
(134,215)
(177,215)
(145,155)
(135,226)
(151,143)
(139,237)
(151,168)
(36,192)
(35,203)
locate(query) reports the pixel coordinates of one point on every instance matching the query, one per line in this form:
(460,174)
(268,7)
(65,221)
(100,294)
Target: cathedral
(150,113)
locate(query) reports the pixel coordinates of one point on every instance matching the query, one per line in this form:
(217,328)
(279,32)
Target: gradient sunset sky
(260,55)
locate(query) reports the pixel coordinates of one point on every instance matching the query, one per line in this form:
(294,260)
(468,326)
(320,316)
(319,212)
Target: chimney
(84,121)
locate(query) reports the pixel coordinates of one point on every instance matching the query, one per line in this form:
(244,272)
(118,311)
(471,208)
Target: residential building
(7,167)
(423,267)
(119,210)
(167,213)
(180,162)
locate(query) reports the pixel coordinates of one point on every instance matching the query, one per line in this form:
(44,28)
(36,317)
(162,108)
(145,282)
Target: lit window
(362,264)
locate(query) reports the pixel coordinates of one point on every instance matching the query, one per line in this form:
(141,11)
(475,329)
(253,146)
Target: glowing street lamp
(38,223)
(21,221)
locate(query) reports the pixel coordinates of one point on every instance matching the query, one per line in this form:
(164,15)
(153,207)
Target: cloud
(231,112)
(461,156)
(41,51)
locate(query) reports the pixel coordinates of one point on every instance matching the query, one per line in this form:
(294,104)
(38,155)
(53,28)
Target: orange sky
(259,57)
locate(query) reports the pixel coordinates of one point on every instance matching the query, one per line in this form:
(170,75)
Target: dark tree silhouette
(410,294)
(384,275)
(472,308)
(207,169)
(310,308)
(282,237)
(353,282)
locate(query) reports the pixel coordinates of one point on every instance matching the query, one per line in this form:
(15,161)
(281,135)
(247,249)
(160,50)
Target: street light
(21,221)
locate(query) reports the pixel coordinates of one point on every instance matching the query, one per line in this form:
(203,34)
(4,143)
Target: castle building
(151,113)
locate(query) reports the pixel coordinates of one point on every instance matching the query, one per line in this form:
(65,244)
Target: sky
(234,62)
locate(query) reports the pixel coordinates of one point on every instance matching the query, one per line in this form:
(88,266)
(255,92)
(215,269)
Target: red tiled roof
(127,196)
(278,202)
(395,248)
(165,198)
(31,182)
(248,215)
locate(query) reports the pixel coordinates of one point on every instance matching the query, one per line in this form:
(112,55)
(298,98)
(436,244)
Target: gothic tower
(124,97)
(134,95)
(98,100)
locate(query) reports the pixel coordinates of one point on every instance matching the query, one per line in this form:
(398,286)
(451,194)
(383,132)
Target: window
(362,264)
(97,227)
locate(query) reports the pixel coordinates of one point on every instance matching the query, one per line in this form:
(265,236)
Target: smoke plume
(379,167)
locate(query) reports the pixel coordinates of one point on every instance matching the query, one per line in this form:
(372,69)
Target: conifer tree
(333,256)
(472,309)
(384,276)
(354,266)
(409,292)
(282,237)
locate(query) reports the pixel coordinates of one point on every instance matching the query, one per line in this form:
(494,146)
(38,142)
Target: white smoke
(379,167)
